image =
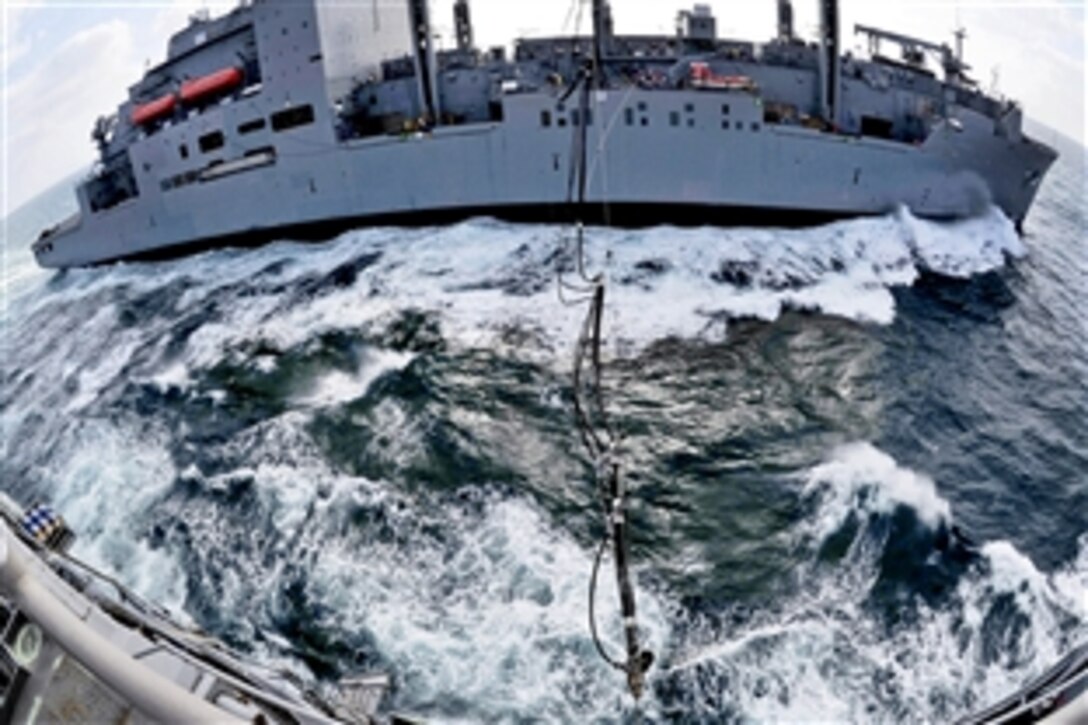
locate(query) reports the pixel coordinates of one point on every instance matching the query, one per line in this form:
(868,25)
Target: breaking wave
(483,284)
(897,615)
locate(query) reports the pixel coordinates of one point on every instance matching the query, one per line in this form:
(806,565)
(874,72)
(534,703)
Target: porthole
(28,645)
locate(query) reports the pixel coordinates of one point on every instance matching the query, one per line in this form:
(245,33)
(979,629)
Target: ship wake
(482,281)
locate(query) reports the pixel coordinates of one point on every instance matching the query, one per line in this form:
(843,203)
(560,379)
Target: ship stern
(54,247)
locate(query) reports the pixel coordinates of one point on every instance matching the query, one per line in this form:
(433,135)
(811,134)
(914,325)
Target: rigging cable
(595,428)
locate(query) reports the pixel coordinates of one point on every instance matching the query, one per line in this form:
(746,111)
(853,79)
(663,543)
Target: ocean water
(858,456)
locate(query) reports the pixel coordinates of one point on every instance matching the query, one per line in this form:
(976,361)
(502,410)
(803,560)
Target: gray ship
(300,119)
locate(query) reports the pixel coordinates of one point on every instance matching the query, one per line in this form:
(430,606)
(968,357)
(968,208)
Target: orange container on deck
(211,85)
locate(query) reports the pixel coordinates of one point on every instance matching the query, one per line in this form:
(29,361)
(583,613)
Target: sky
(66,62)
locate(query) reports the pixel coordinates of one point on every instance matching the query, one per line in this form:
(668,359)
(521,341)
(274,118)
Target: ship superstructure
(299,119)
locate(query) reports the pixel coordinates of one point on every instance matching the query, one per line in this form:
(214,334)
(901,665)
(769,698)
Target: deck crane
(914,49)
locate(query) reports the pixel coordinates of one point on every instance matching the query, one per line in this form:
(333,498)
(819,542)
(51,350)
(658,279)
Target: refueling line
(595,429)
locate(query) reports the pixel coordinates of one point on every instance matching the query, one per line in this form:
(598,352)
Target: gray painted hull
(518,164)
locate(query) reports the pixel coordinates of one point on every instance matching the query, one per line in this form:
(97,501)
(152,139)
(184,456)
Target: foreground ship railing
(77,646)
(1056,697)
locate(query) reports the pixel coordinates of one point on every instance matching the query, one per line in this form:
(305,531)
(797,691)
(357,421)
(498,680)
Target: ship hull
(617,215)
(682,157)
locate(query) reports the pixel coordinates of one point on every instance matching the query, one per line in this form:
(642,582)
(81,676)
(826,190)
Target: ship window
(629,115)
(691,123)
(690,108)
(642,106)
(645,122)
(292,118)
(211,141)
(725,125)
(589,117)
(755,126)
(725,109)
(183,151)
(545,119)
(674,118)
(251,126)
(575,118)
(562,122)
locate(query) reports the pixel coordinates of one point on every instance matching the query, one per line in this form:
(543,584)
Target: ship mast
(602,35)
(785,20)
(462,20)
(830,64)
(601,440)
(419,17)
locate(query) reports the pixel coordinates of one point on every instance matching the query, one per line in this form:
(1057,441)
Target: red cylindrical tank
(153,111)
(211,85)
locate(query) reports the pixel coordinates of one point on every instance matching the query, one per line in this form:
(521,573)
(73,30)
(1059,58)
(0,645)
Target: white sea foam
(478,280)
(338,386)
(103,480)
(967,247)
(824,654)
(480,605)
(497,620)
(860,478)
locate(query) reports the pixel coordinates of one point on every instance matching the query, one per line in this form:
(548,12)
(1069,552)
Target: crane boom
(952,62)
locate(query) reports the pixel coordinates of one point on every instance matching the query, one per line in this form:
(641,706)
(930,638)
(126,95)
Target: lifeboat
(211,85)
(155,110)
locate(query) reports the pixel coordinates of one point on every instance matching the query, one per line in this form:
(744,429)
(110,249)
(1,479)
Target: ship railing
(48,586)
(148,691)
